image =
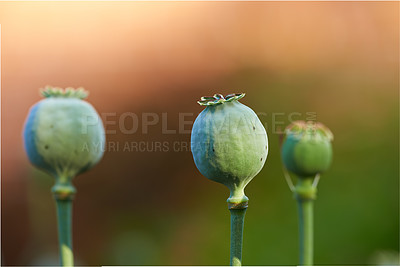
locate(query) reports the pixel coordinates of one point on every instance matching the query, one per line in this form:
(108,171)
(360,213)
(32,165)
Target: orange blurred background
(337,59)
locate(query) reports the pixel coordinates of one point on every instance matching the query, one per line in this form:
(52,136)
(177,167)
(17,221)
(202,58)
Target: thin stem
(288,180)
(306,231)
(64,215)
(237,223)
(305,195)
(316,180)
(64,192)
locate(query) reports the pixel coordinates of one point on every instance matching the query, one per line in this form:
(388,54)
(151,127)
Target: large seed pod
(307,148)
(229,143)
(64,135)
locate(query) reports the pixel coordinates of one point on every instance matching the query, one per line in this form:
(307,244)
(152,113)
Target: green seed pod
(306,148)
(63,135)
(229,143)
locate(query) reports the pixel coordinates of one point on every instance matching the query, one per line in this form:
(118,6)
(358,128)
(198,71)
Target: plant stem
(305,194)
(237,223)
(64,192)
(64,215)
(306,231)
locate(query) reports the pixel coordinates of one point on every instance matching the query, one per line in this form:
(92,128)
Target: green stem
(305,194)
(237,223)
(64,192)
(306,231)
(64,215)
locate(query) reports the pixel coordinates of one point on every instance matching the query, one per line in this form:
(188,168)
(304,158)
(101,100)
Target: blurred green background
(338,61)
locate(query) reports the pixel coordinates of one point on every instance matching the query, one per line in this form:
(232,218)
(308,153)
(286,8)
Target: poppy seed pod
(63,134)
(229,143)
(306,148)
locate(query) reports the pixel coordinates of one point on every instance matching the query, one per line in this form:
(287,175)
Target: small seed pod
(306,148)
(229,143)
(63,134)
